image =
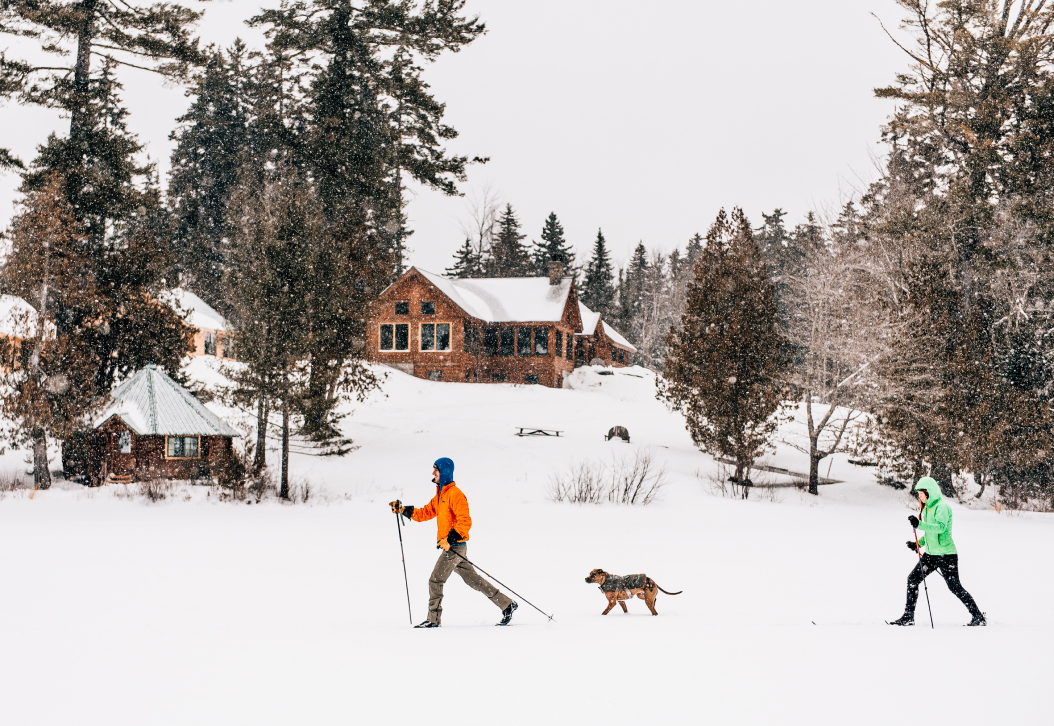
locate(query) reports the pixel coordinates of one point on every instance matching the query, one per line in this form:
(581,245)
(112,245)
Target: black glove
(452,537)
(914,521)
(408,511)
(912,546)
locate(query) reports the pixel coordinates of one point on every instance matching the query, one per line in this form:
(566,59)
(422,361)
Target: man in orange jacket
(450,507)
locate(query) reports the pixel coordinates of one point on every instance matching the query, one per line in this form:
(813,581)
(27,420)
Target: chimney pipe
(556,271)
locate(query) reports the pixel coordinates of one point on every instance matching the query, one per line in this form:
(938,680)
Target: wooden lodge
(211,336)
(528,330)
(154,427)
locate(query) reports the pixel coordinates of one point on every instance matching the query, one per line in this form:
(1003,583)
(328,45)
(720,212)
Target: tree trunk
(284,490)
(260,457)
(982,480)
(814,468)
(41,471)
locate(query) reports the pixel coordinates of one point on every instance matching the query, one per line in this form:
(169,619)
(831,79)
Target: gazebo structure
(154,427)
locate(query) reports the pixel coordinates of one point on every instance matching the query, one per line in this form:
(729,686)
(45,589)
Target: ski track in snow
(198,612)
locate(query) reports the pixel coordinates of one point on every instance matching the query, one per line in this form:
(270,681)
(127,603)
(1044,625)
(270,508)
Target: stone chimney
(556,270)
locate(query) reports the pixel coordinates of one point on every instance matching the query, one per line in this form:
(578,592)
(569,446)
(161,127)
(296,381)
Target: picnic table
(532,431)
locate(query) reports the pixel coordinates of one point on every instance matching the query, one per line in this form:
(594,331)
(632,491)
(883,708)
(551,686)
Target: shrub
(627,480)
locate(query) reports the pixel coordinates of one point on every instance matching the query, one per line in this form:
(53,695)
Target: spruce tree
(630,291)
(508,256)
(598,289)
(724,361)
(552,247)
(466,262)
(211,139)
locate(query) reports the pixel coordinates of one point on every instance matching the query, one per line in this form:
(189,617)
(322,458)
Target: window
(523,341)
(621,357)
(559,343)
(210,344)
(124,441)
(497,377)
(541,341)
(490,341)
(229,350)
(402,308)
(508,341)
(435,336)
(570,346)
(435,375)
(428,308)
(387,337)
(181,447)
(614,356)
(470,339)
(531,379)
(402,337)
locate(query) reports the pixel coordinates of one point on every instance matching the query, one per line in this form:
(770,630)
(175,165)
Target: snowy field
(192,611)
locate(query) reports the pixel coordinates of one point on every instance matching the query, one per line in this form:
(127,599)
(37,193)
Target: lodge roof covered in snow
(195,311)
(152,404)
(505,299)
(589,327)
(18,319)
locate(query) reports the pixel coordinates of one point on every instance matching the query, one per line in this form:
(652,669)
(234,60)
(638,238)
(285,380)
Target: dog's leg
(649,600)
(623,606)
(611,603)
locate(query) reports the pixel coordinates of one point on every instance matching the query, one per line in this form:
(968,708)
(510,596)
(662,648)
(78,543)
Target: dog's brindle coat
(647,593)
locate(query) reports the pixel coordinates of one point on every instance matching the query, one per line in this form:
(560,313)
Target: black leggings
(948,565)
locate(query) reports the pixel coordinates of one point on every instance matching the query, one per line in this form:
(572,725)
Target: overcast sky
(642,119)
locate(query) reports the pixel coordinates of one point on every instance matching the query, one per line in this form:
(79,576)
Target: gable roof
(505,299)
(590,322)
(195,311)
(152,404)
(18,319)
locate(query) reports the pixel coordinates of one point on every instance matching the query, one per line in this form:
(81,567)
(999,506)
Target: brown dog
(618,589)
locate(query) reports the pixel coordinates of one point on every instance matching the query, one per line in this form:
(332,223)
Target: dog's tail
(668,593)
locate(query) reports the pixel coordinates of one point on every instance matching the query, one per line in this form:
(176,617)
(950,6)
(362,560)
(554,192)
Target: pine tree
(508,256)
(598,290)
(725,359)
(211,139)
(552,247)
(150,37)
(630,291)
(466,262)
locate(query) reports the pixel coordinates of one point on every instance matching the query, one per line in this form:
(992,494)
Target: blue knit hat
(446,470)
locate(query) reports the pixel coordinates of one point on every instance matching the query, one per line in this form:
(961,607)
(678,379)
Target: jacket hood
(932,489)
(446,471)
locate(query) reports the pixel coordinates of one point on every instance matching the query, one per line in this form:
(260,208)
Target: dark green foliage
(211,139)
(552,247)
(508,256)
(598,289)
(631,290)
(725,361)
(466,262)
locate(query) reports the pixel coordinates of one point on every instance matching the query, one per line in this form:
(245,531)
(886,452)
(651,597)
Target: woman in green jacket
(940,553)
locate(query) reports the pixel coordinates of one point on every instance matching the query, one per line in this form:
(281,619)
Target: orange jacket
(451,507)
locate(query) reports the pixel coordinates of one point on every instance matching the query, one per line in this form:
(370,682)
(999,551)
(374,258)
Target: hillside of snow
(194,611)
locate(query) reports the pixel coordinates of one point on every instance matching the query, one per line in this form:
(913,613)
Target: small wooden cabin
(211,336)
(487,330)
(598,341)
(154,427)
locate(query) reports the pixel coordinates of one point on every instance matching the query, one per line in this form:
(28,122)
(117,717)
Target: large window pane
(402,308)
(570,345)
(508,341)
(523,341)
(470,340)
(559,343)
(182,447)
(428,308)
(490,341)
(442,336)
(387,337)
(428,336)
(402,337)
(541,341)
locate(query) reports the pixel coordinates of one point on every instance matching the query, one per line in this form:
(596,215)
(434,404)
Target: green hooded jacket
(936,522)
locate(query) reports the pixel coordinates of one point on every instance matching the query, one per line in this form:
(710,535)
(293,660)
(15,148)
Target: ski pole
(399,526)
(919,552)
(469,562)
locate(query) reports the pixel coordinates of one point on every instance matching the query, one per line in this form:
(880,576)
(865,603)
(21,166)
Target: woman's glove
(912,546)
(914,521)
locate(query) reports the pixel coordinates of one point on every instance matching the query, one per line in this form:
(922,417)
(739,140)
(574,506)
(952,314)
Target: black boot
(978,619)
(904,619)
(506,614)
(427,624)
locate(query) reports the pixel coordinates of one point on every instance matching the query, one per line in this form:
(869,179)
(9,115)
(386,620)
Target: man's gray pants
(447,564)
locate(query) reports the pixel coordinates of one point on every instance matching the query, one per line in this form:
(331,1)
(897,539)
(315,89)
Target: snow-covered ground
(191,611)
